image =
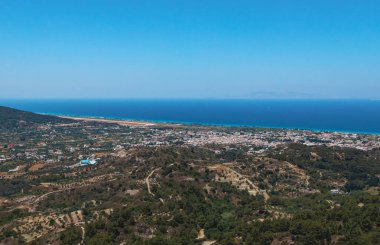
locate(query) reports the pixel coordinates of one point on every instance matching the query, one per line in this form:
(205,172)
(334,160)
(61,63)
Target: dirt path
(23,206)
(238,179)
(92,181)
(300,172)
(40,198)
(83,235)
(147,180)
(201,234)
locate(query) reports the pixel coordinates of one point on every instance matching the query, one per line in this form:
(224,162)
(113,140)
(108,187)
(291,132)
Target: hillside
(184,185)
(12,118)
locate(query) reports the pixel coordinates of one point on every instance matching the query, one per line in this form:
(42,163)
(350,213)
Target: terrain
(157,184)
(12,118)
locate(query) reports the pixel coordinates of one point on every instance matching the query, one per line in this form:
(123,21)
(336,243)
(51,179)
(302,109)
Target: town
(80,141)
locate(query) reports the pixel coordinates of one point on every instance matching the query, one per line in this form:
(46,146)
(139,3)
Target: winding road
(147,181)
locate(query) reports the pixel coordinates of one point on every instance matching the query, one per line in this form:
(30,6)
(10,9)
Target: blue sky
(190,49)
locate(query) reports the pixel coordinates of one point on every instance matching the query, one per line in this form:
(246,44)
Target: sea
(352,116)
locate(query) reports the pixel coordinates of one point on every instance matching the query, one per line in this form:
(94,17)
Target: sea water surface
(358,116)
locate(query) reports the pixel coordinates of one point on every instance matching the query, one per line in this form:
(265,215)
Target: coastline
(147,123)
(107,120)
(342,116)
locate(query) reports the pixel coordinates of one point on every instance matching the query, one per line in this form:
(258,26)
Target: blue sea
(356,116)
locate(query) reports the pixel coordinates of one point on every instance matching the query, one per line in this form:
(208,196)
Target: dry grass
(36,167)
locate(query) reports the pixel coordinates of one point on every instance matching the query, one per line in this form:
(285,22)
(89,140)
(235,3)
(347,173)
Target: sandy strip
(103,120)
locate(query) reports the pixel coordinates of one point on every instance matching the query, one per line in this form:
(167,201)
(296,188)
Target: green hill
(12,118)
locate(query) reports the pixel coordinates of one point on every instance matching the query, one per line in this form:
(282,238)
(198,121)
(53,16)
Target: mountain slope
(12,118)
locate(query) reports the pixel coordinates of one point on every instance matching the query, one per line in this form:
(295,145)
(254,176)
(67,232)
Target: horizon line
(186,98)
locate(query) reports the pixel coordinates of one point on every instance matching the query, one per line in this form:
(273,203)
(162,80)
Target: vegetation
(145,190)
(11,118)
(360,168)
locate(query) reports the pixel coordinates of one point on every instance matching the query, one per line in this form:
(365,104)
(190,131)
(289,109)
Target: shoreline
(108,120)
(147,123)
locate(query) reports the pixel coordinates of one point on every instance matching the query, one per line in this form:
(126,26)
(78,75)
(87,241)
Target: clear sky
(190,49)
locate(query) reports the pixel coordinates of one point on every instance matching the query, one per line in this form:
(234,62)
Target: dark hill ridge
(11,118)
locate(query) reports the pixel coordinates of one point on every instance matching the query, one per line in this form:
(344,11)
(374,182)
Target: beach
(114,121)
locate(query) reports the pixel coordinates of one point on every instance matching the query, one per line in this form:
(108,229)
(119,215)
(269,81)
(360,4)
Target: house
(335,191)
(88,162)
